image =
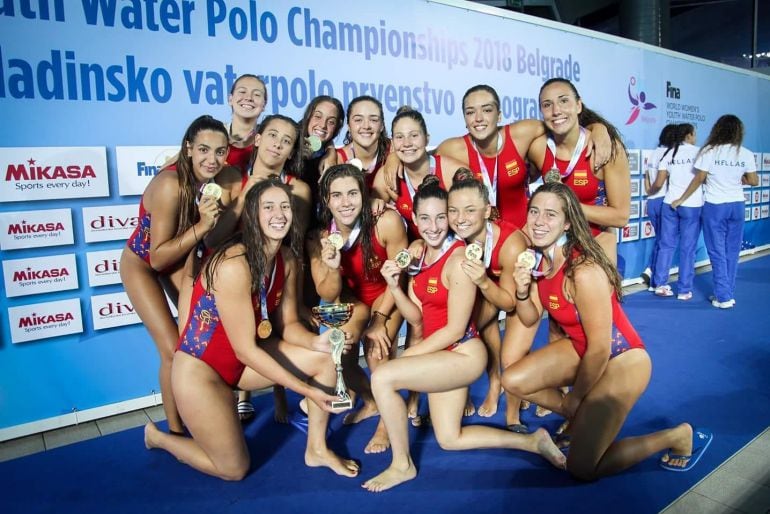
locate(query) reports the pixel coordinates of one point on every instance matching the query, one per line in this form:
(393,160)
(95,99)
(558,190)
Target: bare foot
(367,411)
(389,478)
(328,459)
(150,435)
(470,409)
(281,414)
(489,407)
(682,440)
(548,450)
(379,441)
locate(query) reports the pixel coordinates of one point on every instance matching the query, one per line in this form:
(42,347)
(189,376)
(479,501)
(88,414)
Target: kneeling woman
(247,279)
(601,357)
(449,358)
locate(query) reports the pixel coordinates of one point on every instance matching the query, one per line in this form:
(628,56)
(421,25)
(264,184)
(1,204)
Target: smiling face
(345,200)
(248,98)
(482,115)
(323,121)
(560,108)
(546,220)
(275,144)
(275,214)
(432,221)
(409,140)
(365,123)
(207,152)
(468,213)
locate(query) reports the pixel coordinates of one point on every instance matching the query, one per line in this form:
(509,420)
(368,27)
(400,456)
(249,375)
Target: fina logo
(639,102)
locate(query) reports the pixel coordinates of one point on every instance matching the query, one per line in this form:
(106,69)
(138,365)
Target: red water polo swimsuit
(434,296)
(512,180)
(204,336)
(551,292)
(588,189)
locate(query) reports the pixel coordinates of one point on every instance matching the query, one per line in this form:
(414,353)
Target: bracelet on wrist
(378,313)
(519,298)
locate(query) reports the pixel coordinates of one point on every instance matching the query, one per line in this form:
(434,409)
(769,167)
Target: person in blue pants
(655,199)
(680,226)
(723,167)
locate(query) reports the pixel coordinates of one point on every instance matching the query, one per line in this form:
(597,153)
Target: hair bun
(403,109)
(463,175)
(429,181)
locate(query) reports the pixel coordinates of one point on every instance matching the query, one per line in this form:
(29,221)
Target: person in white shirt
(681,225)
(655,200)
(723,167)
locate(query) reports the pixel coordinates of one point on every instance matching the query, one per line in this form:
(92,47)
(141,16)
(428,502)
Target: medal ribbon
(263,292)
(491,186)
(445,246)
(488,245)
(431,171)
(539,257)
(575,153)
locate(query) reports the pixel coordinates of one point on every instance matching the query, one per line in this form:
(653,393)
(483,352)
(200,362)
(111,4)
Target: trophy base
(342,404)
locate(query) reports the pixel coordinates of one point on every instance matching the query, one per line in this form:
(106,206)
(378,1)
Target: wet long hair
(188,211)
(589,116)
(728,130)
(313,105)
(252,237)
(293,163)
(383,142)
(368,221)
(579,237)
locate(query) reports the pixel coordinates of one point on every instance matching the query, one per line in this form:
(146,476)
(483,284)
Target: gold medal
(473,252)
(314,142)
(552,175)
(212,189)
(526,259)
(264,329)
(336,239)
(403,259)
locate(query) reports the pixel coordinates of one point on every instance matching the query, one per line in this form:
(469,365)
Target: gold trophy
(333,316)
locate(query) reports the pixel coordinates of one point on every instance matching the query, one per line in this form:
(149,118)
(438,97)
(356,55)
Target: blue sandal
(701,439)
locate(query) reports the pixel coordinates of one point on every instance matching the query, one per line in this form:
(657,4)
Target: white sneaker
(684,296)
(646,275)
(713,299)
(729,304)
(664,291)
(651,289)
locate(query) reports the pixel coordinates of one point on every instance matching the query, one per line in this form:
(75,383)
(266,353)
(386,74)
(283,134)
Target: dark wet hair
(406,111)
(368,221)
(293,163)
(249,76)
(383,142)
(311,109)
(579,237)
(485,88)
(589,116)
(188,212)
(252,237)
(430,188)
